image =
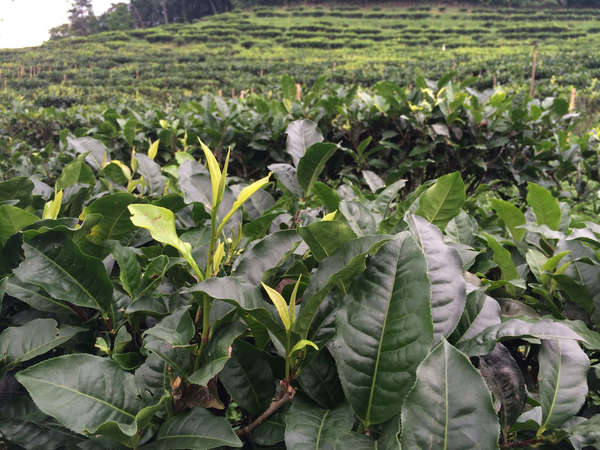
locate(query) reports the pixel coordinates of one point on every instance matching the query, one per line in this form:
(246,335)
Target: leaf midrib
(194,436)
(57,338)
(114,224)
(317,443)
(46,298)
(68,274)
(445,398)
(556,386)
(376,371)
(83,394)
(438,209)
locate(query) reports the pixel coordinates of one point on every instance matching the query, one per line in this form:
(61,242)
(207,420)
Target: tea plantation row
(248,49)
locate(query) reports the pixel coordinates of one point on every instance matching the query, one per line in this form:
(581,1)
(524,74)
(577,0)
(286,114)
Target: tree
(117,17)
(60,31)
(79,17)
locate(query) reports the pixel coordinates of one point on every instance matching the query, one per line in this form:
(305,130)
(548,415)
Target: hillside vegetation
(304,227)
(249,49)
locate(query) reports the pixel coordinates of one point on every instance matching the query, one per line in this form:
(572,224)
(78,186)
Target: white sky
(25,23)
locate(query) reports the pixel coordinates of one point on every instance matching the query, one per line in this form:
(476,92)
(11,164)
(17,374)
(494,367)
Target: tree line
(136,14)
(149,13)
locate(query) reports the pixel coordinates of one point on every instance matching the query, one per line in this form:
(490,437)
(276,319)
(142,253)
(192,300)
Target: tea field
(249,49)
(403,253)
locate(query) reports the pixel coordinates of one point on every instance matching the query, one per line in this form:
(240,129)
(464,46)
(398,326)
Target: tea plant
(179,307)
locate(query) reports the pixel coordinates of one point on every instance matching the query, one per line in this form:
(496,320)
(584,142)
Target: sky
(25,23)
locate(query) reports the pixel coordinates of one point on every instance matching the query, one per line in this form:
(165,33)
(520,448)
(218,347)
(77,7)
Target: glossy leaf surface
(450,406)
(384,330)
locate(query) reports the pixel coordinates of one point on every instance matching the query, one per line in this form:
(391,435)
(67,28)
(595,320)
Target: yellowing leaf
(218,256)
(302,344)
(133,163)
(126,171)
(102,345)
(223,178)
(161,224)
(329,217)
(244,195)
(292,307)
(280,304)
(153,150)
(215,172)
(52,208)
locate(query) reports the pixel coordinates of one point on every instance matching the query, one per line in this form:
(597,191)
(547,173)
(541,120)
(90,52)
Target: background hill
(248,49)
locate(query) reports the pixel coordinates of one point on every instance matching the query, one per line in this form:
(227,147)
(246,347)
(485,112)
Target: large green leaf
(585,432)
(272,430)
(179,359)
(356,441)
(12,219)
(248,378)
(544,205)
(319,380)
(16,190)
(36,337)
(462,229)
(583,273)
(301,135)
(390,434)
(196,429)
(33,436)
(177,328)
(505,380)
(484,342)
(3,285)
(194,182)
(155,182)
(450,406)
(444,266)
(35,297)
(152,378)
(312,164)
(324,238)
(512,217)
(328,196)
(287,176)
(217,353)
(76,172)
(502,258)
(22,423)
(346,261)
(84,393)
(11,255)
(54,263)
(95,150)
(562,381)
(111,217)
(385,330)
(360,219)
(265,254)
(243,295)
(481,312)
(309,427)
(443,201)
(130,272)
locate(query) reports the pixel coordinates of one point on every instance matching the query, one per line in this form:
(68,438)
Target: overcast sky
(24,23)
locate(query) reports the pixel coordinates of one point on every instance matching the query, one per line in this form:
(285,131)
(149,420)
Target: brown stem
(295,220)
(522,444)
(272,409)
(109,325)
(80,312)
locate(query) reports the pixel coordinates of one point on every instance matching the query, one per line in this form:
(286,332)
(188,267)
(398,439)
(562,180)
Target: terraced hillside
(249,49)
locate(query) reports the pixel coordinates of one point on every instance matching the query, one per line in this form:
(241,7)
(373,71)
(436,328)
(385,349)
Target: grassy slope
(250,49)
